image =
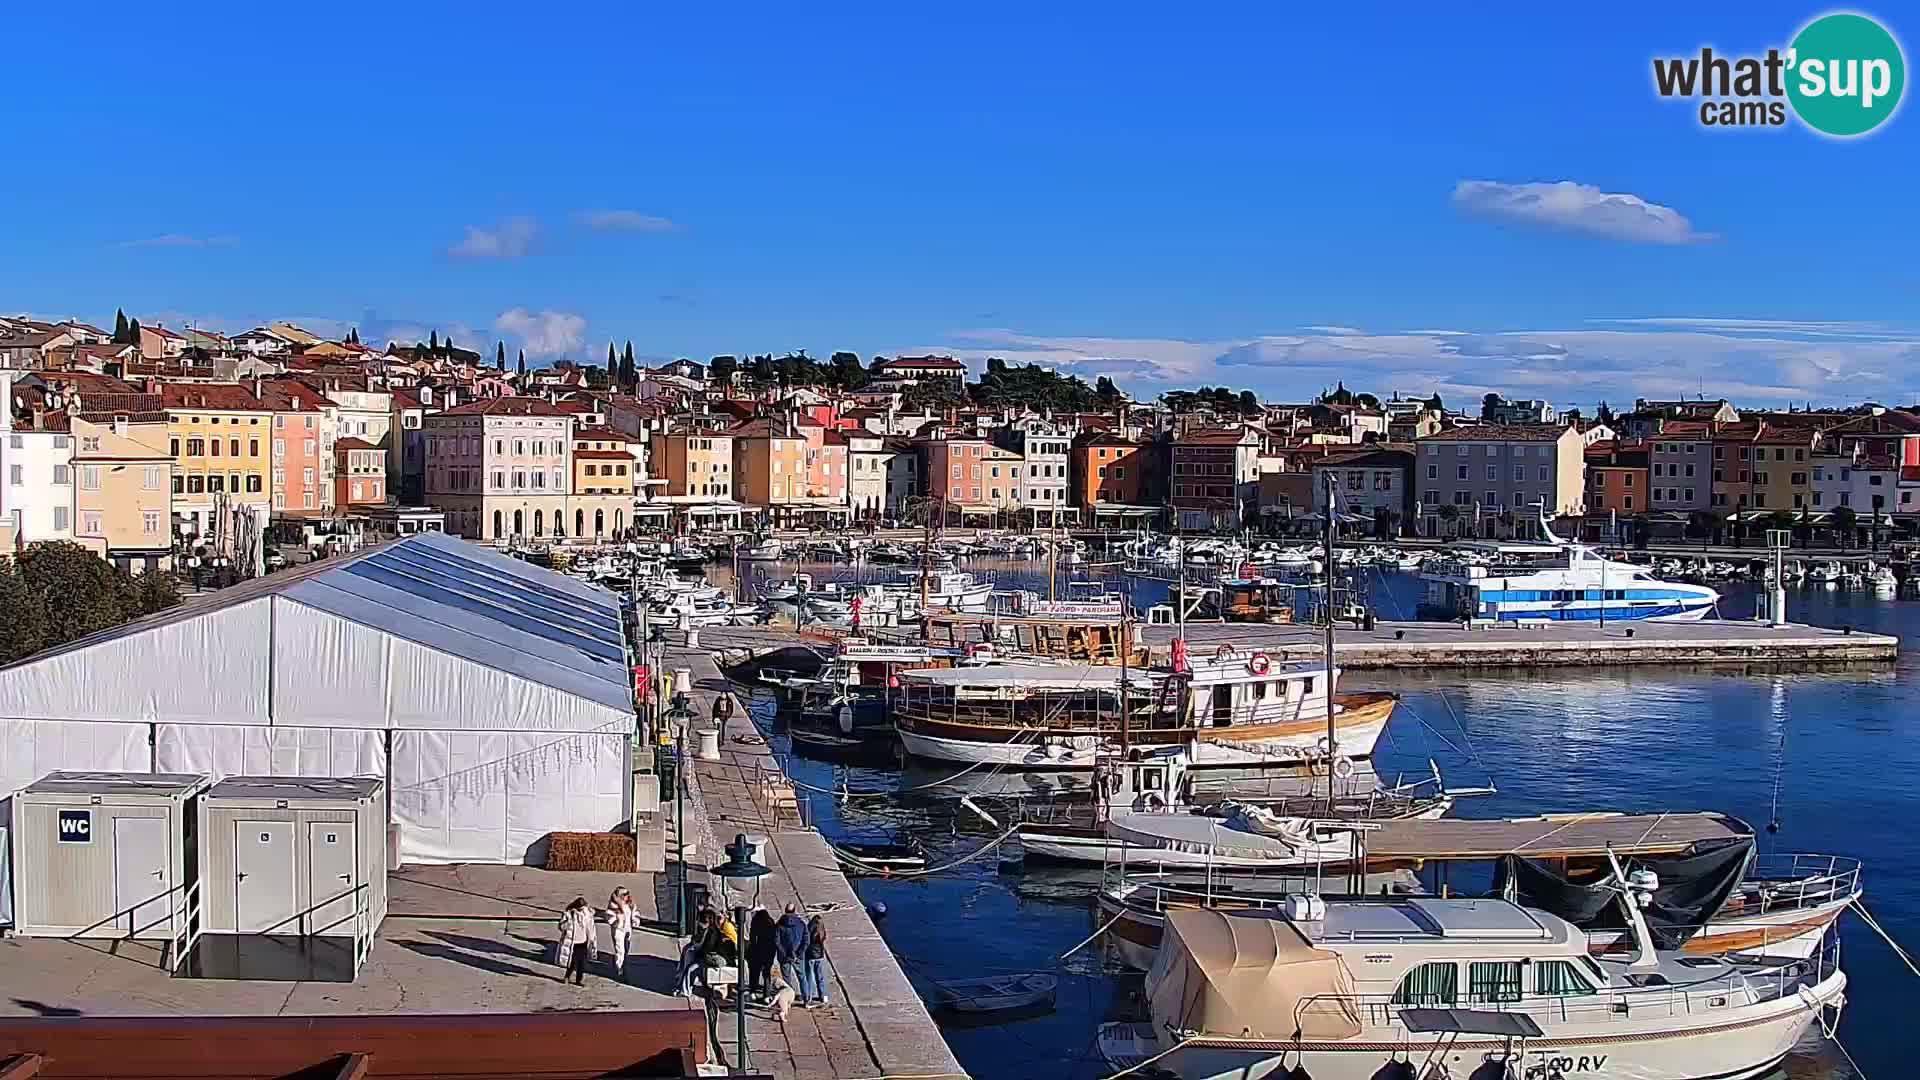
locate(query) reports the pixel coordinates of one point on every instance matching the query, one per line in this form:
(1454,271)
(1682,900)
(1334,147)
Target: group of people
(786,957)
(579,940)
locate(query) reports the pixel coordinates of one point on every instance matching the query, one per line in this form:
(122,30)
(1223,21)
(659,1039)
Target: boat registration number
(1549,1065)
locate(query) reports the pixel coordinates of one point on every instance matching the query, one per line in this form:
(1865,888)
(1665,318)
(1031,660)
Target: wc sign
(76,826)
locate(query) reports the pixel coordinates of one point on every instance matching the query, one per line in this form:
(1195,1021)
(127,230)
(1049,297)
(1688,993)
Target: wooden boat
(996,993)
(881,857)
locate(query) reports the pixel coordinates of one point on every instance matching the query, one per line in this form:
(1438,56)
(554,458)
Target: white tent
(493,696)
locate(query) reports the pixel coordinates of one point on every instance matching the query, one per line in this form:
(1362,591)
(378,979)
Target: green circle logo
(1845,74)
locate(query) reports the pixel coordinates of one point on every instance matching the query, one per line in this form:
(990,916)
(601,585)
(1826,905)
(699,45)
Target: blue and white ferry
(1554,581)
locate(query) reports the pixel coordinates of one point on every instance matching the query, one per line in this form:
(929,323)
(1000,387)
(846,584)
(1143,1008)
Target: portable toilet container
(295,856)
(105,855)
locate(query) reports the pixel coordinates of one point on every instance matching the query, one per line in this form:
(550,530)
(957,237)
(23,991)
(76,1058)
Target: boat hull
(1750,1042)
(1357,726)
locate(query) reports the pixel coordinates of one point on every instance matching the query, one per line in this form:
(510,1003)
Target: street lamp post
(741,867)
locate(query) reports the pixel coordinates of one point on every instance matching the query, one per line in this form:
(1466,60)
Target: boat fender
(1258,663)
(846,719)
(878,909)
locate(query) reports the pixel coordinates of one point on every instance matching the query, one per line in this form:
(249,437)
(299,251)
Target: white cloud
(511,239)
(1580,208)
(543,333)
(1567,366)
(623,221)
(180,240)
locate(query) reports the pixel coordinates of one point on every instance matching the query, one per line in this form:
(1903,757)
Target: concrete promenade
(877,1025)
(1427,644)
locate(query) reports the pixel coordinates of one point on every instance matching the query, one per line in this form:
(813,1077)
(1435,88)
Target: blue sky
(1262,196)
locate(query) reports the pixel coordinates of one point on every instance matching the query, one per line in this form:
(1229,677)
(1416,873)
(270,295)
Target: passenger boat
(954,589)
(851,693)
(1559,581)
(1347,990)
(997,993)
(1233,709)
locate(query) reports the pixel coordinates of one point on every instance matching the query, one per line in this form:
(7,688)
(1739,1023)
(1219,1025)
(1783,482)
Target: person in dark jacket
(816,963)
(790,946)
(761,952)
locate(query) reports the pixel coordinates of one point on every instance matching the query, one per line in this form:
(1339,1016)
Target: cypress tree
(133,332)
(119,326)
(613,365)
(500,355)
(433,341)
(523,366)
(628,372)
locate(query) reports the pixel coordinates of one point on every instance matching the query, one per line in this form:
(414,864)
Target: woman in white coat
(576,940)
(620,920)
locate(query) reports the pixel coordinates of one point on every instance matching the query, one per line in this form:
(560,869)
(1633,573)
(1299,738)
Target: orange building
(1110,469)
(769,465)
(359,474)
(1618,479)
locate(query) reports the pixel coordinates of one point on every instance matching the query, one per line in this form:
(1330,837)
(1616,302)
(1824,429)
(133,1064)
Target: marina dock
(878,1025)
(1425,644)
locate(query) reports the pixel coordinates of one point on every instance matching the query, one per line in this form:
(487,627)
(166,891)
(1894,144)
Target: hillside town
(188,449)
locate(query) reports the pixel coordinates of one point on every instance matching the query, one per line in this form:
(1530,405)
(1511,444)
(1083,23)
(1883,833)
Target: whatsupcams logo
(1842,76)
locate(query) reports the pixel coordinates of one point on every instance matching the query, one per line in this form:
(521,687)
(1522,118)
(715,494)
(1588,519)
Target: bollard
(709,744)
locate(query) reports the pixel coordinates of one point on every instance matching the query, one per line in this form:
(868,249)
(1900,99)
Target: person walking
(576,940)
(620,920)
(817,962)
(790,947)
(761,952)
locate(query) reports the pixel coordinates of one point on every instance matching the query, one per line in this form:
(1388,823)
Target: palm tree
(1450,514)
(1843,521)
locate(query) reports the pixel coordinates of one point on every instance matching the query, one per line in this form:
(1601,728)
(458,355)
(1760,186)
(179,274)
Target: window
(1546,473)
(1627,502)
(1433,472)
(14,475)
(1872,480)
(1558,978)
(1689,470)
(196,485)
(1493,473)
(1626,480)
(179,484)
(60,521)
(253,447)
(1689,494)
(216,448)
(61,475)
(233,448)
(150,522)
(1599,479)
(1493,498)
(89,477)
(1430,984)
(216,483)
(1519,473)
(1493,980)
(1462,473)
(306,477)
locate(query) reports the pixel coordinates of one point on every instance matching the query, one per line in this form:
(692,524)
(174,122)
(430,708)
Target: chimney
(296,403)
(426,395)
(120,424)
(256,386)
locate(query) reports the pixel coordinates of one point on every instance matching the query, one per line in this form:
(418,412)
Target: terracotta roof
(1891,422)
(602,455)
(356,444)
(404,399)
(1499,433)
(1216,437)
(293,395)
(574,405)
(86,382)
(945,362)
(763,428)
(600,431)
(229,396)
(1367,459)
(506,406)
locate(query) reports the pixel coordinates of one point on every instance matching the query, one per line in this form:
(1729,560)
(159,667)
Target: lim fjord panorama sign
(1843,75)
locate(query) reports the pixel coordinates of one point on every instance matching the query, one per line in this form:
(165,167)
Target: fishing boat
(1560,580)
(1350,990)
(996,993)
(851,693)
(954,589)
(766,549)
(1233,709)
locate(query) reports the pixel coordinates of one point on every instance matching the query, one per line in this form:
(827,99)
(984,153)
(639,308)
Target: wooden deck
(1556,836)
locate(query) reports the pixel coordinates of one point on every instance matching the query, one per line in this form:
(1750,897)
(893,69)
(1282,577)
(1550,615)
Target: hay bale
(608,852)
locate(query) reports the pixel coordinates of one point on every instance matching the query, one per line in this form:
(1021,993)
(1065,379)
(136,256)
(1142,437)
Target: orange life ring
(1258,663)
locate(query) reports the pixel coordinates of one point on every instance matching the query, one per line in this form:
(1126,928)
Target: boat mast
(1332,746)
(938,506)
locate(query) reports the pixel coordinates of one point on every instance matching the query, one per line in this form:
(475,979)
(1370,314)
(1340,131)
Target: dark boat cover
(1692,888)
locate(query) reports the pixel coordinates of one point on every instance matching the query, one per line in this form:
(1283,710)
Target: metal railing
(1794,882)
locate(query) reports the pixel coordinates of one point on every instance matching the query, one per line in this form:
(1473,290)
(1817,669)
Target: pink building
(500,467)
(956,469)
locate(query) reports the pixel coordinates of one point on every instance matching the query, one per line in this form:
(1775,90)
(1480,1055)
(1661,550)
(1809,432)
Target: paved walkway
(877,1025)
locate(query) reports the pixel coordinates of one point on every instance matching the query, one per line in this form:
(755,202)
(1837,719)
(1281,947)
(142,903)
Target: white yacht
(1559,581)
(1353,990)
(954,589)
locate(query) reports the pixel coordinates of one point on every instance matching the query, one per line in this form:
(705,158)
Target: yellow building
(600,502)
(220,436)
(770,466)
(123,484)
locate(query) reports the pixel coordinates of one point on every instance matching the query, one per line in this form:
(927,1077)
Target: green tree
(1844,521)
(721,368)
(523,366)
(433,341)
(1366,400)
(1488,404)
(133,332)
(613,358)
(80,592)
(846,371)
(119,326)
(1105,392)
(353,335)
(629,371)
(1434,404)
(1249,404)
(155,591)
(500,355)
(22,618)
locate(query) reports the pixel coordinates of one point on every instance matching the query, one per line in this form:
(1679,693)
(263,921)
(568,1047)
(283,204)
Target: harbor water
(1816,761)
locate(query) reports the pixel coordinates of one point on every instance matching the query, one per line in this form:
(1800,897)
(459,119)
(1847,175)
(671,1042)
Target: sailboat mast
(1332,746)
(939,506)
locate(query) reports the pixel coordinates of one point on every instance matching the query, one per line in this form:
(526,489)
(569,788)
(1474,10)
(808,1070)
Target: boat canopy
(1553,836)
(1692,888)
(1028,677)
(1248,977)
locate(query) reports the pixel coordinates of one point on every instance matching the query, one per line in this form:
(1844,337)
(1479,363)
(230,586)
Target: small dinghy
(882,858)
(998,993)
